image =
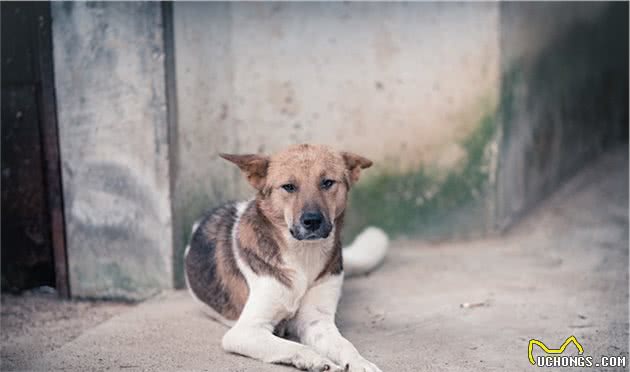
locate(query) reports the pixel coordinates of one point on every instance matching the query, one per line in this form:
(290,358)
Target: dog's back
(211,272)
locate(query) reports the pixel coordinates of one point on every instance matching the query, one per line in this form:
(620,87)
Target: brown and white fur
(274,264)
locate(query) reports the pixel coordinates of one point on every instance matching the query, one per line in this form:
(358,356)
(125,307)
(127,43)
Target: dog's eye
(289,187)
(326,184)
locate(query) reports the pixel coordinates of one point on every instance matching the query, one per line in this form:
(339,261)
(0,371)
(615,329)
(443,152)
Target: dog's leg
(315,326)
(252,335)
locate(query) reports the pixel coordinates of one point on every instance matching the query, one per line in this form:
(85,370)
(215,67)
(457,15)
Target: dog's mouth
(299,233)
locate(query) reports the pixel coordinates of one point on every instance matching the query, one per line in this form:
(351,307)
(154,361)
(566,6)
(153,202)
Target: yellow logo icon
(547,350)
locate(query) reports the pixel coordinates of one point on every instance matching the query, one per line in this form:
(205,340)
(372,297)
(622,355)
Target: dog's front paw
(323,365)
(361,364)
(309,360)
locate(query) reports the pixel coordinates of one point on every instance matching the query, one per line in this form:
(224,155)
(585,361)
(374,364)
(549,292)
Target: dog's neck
(314,257)
(306,258)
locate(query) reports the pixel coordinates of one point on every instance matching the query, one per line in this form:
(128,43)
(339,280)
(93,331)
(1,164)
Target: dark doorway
(33,243)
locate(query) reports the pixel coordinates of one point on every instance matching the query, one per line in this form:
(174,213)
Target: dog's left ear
(355,163)
(254,167)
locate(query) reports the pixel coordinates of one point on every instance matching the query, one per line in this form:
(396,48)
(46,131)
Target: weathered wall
(410,85)
(472,113)
(564,95)
(109,73)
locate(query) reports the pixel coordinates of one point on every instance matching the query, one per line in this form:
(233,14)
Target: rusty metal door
(33,248)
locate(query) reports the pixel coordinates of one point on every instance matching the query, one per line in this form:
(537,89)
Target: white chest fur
(304,260)
(307,259)
(309,256)
(273,301)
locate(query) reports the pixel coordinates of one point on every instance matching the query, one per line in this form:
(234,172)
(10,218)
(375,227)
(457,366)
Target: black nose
(311,220)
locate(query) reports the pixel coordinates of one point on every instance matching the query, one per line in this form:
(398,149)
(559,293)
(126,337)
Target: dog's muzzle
(313,225)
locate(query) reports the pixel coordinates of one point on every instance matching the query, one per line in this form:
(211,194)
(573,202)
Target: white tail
(366,252)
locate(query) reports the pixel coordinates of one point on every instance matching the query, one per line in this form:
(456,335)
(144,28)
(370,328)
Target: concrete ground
(37,322)
(562,271)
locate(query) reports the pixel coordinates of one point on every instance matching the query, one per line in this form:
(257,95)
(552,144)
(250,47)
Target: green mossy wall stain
(424,201)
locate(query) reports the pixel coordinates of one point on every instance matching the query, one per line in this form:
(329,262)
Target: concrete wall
(472,113)
(406,84)
(564,95)
(109,72)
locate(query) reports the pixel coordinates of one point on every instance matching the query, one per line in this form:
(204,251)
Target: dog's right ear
(254,167)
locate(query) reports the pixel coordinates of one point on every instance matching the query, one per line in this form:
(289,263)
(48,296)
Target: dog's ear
(354,164)
(254,167)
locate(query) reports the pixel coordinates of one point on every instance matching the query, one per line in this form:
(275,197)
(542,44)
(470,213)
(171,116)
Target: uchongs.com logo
(558,358)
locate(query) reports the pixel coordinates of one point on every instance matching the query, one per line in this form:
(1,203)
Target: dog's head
(303,188)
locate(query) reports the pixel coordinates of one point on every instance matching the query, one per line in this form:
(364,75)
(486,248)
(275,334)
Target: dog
(274,265)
